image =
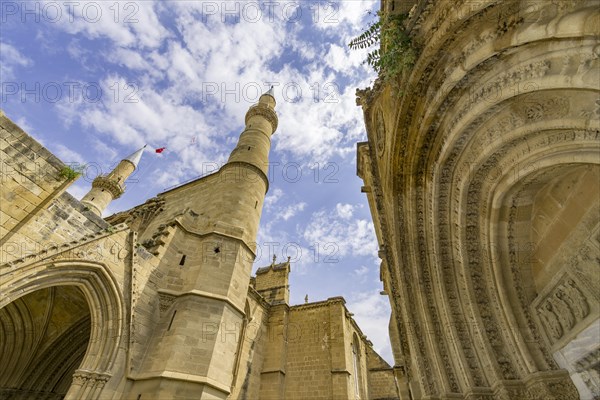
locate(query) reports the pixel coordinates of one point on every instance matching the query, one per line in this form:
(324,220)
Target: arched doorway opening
(552,221)
(91,286)
(43,339)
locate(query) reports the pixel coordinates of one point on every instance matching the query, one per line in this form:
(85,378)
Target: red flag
(160,150)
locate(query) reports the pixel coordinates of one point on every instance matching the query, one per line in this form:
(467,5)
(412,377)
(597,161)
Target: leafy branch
(71,173)
(395,52)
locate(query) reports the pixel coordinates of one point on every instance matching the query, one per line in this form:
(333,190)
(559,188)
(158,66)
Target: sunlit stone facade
(482,174)
(158,302)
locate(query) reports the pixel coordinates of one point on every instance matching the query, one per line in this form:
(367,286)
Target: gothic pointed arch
(499,112)
(100,290)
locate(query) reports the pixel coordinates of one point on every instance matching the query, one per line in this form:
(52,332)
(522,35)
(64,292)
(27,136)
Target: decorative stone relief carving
(165,301)
(561,307)
(554,106)
(102,182)
(264,112)
(587,367)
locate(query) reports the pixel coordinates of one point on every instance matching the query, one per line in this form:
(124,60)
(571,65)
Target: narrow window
(172,318)
(217,250)
(182,260)
(93,198)
(249,147)
(139,396)
(256,204)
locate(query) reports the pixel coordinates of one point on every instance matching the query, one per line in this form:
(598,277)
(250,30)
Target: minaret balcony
(264,111)
(104,183)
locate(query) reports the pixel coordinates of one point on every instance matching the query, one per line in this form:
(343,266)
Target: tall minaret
(106,188)
(206,259)
(255,141)
(245,175)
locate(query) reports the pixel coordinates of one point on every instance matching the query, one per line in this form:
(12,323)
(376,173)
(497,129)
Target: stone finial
(274,259)
(306,299)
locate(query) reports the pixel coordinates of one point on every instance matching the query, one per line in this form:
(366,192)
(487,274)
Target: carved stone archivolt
(472,133)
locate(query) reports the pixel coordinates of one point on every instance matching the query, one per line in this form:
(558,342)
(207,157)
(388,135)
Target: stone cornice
(178,376)
(239,239)
(258,298)
(67,248)
(170,296)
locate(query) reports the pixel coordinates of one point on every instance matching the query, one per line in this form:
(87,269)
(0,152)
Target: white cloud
(11,58)
(126,24)
(174,70)
(348,14)
(350,236)
(273,197)
(291,210)
(67,155)
(344,210)
(104,151)
(362,271)
(129,58)
(343,59)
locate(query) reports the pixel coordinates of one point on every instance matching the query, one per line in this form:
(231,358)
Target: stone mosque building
(482,171)
(157,302)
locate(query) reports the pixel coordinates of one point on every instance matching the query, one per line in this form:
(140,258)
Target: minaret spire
(271,93)
(255,142)
(136,156)
(106,188)
(218,250)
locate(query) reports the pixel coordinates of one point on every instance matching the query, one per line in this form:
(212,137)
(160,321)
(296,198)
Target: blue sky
(93,81)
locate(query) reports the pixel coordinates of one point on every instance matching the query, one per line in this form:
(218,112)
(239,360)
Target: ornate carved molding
(165,301)
(115,189)
(265,112)
(462,123)
(562,306)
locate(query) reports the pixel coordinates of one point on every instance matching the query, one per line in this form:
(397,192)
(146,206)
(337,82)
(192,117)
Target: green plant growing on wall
(71,173)
(395,52)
